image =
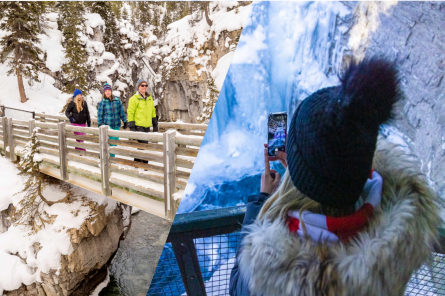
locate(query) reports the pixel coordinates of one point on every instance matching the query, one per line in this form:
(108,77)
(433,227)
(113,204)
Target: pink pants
(80,134)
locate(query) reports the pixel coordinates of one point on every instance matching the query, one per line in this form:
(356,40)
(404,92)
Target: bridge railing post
(32,126)
(5,133)
(62,150)
(12,155)
(169,173)
(104,160)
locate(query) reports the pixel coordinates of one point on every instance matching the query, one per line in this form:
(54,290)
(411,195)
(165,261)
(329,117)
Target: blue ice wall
(287,51)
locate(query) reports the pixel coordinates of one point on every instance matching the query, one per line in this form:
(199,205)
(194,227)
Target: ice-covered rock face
(185,89)
(289,50)
(411,34)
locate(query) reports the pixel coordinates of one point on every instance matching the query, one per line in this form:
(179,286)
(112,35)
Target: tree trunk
(19,76)
(206,9)
(21,88)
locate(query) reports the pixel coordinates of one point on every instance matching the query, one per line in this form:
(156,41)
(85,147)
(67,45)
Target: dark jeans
(142,130)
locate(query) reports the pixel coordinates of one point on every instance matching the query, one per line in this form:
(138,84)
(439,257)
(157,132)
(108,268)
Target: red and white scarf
(332,229)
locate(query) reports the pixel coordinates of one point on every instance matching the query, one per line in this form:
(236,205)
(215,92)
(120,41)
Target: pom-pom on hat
(107,86)
(77,92)
(333,133)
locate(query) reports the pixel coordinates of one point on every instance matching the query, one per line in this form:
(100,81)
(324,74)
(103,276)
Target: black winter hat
(333,133)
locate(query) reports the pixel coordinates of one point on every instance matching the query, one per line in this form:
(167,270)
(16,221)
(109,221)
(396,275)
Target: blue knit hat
(77,92)
(107,86)
(139,83)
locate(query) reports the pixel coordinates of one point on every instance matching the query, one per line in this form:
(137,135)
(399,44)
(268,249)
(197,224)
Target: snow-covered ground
(20,263)
(43,96)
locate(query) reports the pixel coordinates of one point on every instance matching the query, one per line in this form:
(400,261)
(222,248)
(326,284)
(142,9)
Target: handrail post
(62,150)
(5,133)
(169,173)
(32,126)
(12,155)
(104,160)
(188,263)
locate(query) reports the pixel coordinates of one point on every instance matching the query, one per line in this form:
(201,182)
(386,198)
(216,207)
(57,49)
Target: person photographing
(353,214)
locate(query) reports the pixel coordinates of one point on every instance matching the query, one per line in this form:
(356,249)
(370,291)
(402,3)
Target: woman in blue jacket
(111,112)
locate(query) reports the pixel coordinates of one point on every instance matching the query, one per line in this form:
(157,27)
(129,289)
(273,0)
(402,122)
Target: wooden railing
(171,155)
(183,128)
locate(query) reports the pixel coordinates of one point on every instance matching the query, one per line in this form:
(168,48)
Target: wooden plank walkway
(155,187)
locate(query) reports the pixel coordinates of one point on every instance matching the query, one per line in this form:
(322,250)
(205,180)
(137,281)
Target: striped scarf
(332,229)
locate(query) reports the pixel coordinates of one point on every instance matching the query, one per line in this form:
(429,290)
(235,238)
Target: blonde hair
(287,198)
(79,103)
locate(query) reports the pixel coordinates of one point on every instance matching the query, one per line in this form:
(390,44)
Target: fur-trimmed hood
(379,261)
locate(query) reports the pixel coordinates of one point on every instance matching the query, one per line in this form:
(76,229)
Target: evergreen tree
(125,14)
(166,20)
(156,21)
(174,10)
(20,44)
(116,7)
(185,9)
(133,12)
(29,210)
(111,35)
(72,25)
(144,13)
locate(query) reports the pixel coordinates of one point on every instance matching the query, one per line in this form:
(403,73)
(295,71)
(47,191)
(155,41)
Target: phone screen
(277,132)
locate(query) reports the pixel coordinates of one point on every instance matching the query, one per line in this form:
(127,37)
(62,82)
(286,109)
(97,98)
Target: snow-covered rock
(65,255)
(188,54)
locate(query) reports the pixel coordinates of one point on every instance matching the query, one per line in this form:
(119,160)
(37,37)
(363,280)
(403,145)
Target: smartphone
(277,132)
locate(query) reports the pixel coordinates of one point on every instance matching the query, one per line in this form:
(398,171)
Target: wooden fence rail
(184,128)
(170,156)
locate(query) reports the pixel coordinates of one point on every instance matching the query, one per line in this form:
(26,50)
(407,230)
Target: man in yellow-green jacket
(141,112)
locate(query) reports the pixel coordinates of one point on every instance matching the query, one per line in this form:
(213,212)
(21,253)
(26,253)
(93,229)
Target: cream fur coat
(381,259)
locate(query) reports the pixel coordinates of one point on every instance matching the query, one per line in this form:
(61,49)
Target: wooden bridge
(155,187)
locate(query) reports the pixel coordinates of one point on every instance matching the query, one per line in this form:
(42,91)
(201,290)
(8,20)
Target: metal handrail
(189,226)
(4,107)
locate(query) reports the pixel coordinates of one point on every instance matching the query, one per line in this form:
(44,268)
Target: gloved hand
(125,125)
(72,120)
(132,126)
(89,123)
(155,128)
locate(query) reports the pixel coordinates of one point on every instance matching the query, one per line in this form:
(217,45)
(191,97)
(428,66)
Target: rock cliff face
(94,244)
(4,222)
(411,34)
(185,90)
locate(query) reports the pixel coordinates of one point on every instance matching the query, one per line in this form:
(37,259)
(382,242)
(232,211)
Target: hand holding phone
(279,155)
(270,179)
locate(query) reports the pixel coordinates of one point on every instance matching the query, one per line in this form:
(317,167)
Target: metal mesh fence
(167,278)
(428,281)
(216,257)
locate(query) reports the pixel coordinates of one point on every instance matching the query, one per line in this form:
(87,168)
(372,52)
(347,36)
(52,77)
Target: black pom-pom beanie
(333,133)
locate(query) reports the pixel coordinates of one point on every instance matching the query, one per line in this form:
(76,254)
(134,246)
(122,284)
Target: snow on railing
(85,151)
